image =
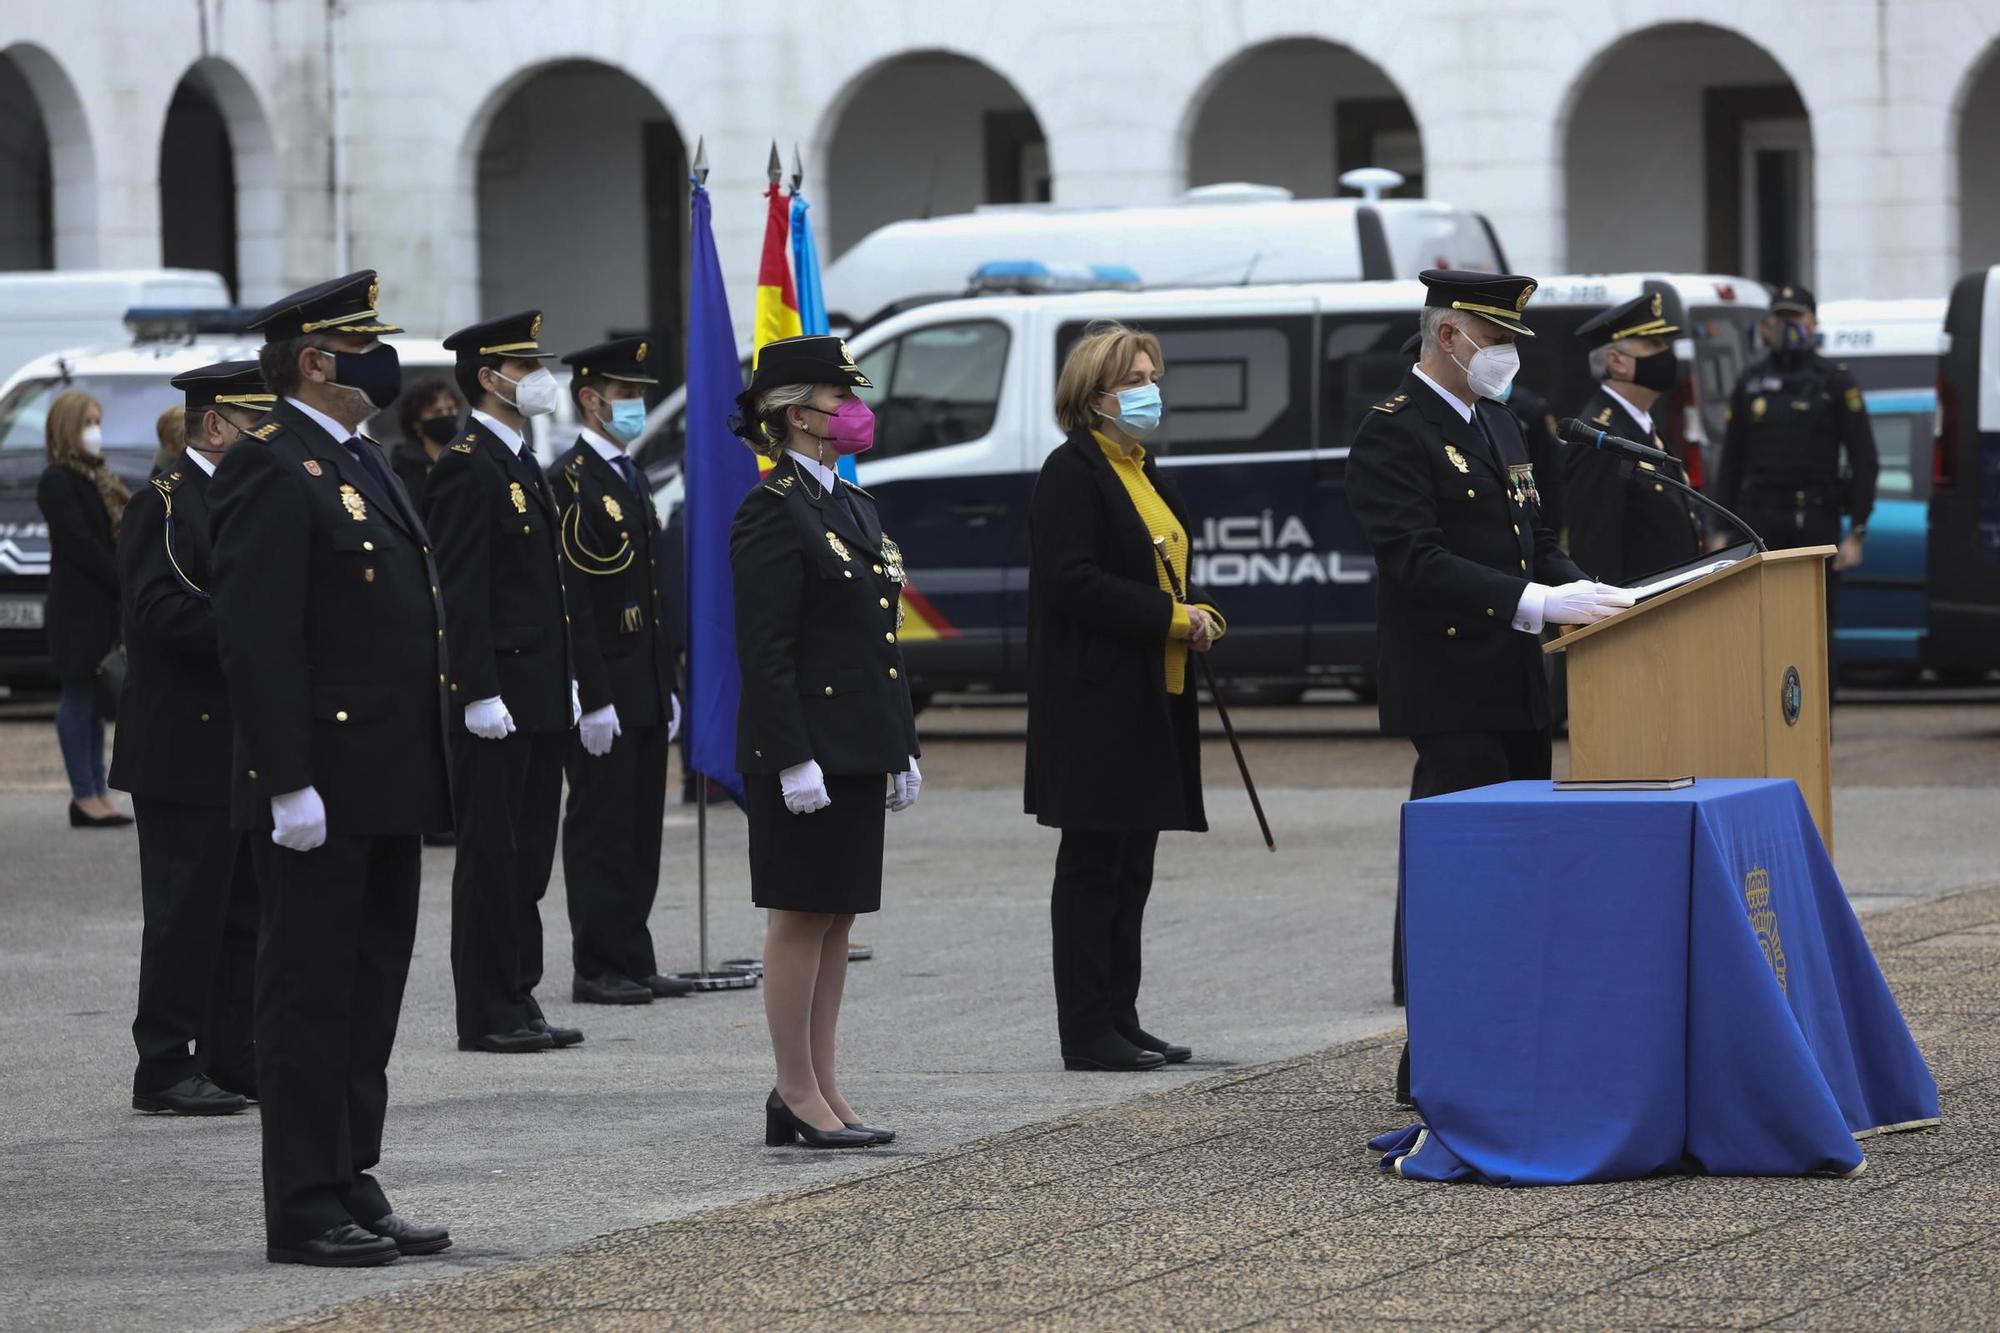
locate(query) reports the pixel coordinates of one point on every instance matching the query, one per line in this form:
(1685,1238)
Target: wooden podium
(1724,677)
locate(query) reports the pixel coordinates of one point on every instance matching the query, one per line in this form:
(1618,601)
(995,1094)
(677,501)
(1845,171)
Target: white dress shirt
(507,434)
(1645,419)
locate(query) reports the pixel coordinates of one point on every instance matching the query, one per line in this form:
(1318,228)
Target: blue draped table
(1609,985)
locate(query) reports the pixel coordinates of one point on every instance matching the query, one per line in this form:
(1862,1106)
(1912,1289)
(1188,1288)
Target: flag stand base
(722,978)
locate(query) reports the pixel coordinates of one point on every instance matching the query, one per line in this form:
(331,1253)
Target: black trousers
(1096,911)
(507,802)
(611,851)
(198,954)
(332,955)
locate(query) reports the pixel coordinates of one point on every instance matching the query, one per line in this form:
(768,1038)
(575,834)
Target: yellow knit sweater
(1160,522)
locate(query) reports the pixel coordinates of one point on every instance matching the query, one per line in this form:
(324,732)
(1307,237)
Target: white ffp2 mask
(1491,370)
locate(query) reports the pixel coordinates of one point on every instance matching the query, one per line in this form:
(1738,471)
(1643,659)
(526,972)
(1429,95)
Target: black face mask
(376,372)
(1659,372)
(439,430)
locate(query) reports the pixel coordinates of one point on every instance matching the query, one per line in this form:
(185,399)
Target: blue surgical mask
(1138,410)
(628,418)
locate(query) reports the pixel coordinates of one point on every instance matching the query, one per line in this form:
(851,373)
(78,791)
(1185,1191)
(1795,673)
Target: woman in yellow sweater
(1114,744)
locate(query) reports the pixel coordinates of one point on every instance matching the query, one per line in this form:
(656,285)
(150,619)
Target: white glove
(489,719)
(575,702)
(597,728)
(674,719)
(804,787)
(300,819)
(1583,603)
(905,786)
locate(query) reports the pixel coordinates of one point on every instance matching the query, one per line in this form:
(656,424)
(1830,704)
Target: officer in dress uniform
(493,527)
(1440,479)
(1624,522)
(614,569)
(331,625)
(197,959)
(1793,416)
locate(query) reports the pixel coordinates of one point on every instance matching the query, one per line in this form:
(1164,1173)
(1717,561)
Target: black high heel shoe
(880,1135)
(79,819)
(781,1127)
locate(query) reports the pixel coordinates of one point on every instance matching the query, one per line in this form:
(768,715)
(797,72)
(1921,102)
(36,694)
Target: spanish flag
(777,303)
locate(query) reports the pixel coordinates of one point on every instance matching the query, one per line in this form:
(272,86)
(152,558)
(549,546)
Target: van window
(1231,385)
(131,403)
(1361,363)
(935,386)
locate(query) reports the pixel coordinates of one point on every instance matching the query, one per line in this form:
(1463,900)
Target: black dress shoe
(781,1127)
(1146,1041)
(609,989)
(344,1246)
(1111,1053)
(78,819)
(881,1135)
(410,1237)
(558,1036)
(666,987)
(193,1095)
(521,1041)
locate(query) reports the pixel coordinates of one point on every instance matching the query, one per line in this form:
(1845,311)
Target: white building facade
(488,155)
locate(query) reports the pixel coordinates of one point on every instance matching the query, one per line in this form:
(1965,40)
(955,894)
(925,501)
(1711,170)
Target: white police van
(132,382)
(1963,635)
(1264,389)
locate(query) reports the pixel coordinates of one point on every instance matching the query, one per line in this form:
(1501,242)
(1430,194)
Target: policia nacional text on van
(1441,482)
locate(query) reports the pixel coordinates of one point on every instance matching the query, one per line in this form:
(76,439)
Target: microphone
(1587,436)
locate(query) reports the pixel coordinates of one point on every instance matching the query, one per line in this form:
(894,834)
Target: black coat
(174,729)
(613,570)
(1457,539)
(81,614)
(1623,521)
(492,522)
(331,622)
(413,469)
(1108,747)
(1545,451)
(818,592)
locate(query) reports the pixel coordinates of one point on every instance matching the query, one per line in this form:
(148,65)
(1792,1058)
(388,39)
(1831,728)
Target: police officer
(1538,429)
(1470,572)
(614,570)
(492,520)
(1624,522)
(332,632)
(1792,417)
(198,955)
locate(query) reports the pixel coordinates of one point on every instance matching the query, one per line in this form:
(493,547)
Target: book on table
(1625,784)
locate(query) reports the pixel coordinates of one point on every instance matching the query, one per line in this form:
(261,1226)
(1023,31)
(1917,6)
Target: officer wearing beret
(1624,522)
(826,738)
(492,520)
(198,954)
(332,632)
(1469,570)
(614,566)
(1799,451)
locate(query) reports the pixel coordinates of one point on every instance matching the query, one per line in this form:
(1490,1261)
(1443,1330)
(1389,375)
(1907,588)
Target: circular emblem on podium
(1791,696)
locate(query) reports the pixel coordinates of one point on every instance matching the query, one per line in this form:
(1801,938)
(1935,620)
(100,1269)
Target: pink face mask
(850,428)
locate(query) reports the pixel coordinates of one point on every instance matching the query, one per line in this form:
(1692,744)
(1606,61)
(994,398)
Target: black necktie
(630,471)
(366,457)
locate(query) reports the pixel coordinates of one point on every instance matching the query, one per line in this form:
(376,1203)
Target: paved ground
(1249,1200)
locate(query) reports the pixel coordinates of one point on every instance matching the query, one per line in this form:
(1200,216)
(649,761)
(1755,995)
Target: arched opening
(961,134)
(48,174)
(585,220)
(1979,166)
(1298,113)
(1688,147)
(219,193)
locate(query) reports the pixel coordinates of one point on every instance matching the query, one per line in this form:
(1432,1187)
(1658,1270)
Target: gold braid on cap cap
(1652,328)
(248,399)
(315,325)
(499,349)
(1491,311)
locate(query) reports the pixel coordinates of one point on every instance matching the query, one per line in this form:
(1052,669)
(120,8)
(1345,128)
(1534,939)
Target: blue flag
(720,470)
(811,295)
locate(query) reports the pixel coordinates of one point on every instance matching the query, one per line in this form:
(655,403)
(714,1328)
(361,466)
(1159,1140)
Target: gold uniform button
(1658,486)
(204,717)
(525,528)
(368,546)
(1471,494)
(341,716)
(1524,564)
(253,775)
(892,673)
(1451,631)
(759,754)
(434,590)
(878,569)
(454,687)
(883,602)
(847,573)
(440,680)
(830,533)
(889,637)
(1517,529)
(1489,610)
(829,690)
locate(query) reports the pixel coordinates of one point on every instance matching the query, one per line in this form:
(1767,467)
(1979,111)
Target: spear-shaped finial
(776,167)
(701,161)
(798,168)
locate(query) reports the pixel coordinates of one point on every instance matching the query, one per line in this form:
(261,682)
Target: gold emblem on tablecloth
(613,508)
(518,496)
(1764,920)
(839,546)
(1457,459)
(351,501)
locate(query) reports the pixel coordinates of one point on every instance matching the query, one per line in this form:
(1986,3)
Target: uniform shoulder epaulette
(852,487)
(1393,403)
(265,431)
(461,448)
(166,482)
(574,464)
(779,485)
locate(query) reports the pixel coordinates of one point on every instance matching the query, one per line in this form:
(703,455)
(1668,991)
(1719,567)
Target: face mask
(1138,410)
(1792,336)
(534,392)
(1660,371)
(376,374)
(438,430)
(93,440)
(1491,371)
(628,418)
(850,428)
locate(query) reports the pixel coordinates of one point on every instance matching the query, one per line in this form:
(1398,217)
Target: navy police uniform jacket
(333,633)
(614,569)
(1791,420)
(818,594)
(174,728)
(1458,535)
(1624,522)
(493,526)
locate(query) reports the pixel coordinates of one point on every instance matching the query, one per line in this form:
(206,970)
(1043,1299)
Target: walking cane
(1221,708)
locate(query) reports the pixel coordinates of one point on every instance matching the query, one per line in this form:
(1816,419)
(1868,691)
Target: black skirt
(827,861)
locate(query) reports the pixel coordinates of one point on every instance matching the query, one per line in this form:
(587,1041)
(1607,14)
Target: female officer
(825,716)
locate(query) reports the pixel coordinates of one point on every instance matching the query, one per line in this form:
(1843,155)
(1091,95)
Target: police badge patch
(1457,459)
(351,501)
(613,508)
(518,496)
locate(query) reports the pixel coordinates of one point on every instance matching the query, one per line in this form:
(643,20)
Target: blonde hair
(62,438)
(1103,358)
(171,428)
(769,413)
